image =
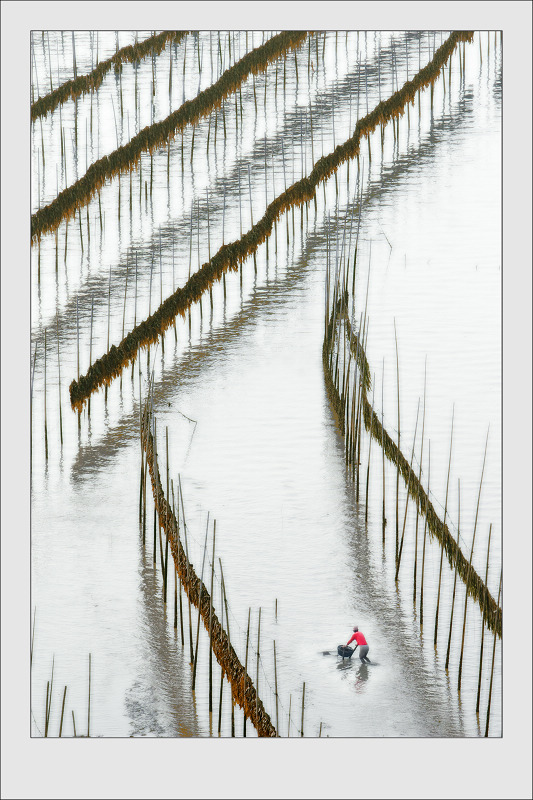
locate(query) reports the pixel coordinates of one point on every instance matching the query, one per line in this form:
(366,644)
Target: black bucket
(345,651)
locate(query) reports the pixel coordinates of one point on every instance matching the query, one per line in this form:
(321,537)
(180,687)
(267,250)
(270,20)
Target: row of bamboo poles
(126,157)
(231,256)
(348,394)
(243,691)
(81,84)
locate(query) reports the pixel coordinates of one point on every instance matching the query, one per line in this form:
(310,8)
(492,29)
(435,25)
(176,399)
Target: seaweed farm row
(237,384)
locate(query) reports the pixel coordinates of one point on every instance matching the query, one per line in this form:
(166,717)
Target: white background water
(251,489)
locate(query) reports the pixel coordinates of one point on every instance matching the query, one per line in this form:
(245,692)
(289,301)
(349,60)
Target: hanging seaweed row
(230,256)
(243,691)
(70,90)
(124,158)
(475,586)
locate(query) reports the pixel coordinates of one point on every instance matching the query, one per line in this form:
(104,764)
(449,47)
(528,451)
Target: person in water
(361,643)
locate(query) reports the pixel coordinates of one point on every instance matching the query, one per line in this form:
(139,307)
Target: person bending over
(361,643)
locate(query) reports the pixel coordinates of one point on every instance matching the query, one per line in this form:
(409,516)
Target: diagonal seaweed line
(475,585)
(242,688)
(72,89)
(229,256)
(124,158)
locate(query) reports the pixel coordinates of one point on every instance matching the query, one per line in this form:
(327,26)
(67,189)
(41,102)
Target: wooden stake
(483,628)
(399,558)
(62,711)
(257,670)
(469,566)
(398,465)
(442,543)
(424,546)
(246,665)
(199,607)
(303,704)
(211,624)
(492,667)
(276,688)
(455,574)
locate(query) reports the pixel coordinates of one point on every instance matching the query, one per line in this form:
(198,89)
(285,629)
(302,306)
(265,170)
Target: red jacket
(359,638)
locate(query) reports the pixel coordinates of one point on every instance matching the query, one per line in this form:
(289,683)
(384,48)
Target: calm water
(242,392)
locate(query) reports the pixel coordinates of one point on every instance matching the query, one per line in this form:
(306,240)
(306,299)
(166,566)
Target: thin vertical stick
(246,666)
(442,542)
(257,669)
(289,725)
(483,628)
(199,607)
(73,722)
(59,385)
(399,557)
(89,700)
(469,566)
(455,573)
(419,477)
(211,623)
(399,449)
(368,466)
(303,705)
(45,425)
(62,711)
(187,554)
(46,709)
(383,518)
(221,669)
(424,546)
(276,688)
(492,667)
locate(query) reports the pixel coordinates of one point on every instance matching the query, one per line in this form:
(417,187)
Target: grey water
(251,432)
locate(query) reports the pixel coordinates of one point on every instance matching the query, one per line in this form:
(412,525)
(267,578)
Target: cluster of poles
(347,376)
(170,529)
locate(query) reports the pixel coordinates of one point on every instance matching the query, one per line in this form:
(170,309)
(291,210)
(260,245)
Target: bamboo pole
(211,623)
(59,385)
(419,478)
(89,701)
(399,557)
(383,517)
(303,705)
(199,607)
(492,667)
(221,668)
(483,628)
(398,467)
(289,724)
(442,543)
(45,424)
(62,711)
(368,466)
(276,688)
(257,667)
(188,562)
(246,665)
(74,723)
(455,574)
(424,545)
(469,566)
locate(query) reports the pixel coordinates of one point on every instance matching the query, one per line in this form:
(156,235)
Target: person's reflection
(361,678)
